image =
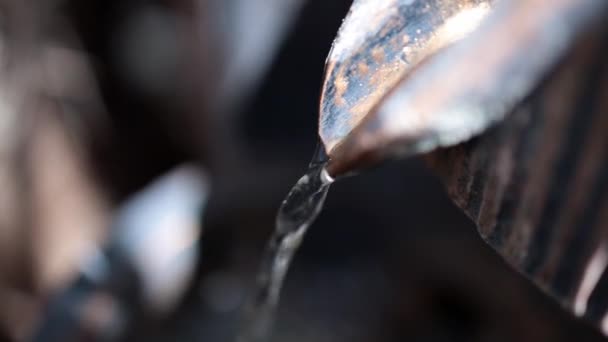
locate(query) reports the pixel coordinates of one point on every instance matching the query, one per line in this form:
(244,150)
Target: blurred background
(100,100)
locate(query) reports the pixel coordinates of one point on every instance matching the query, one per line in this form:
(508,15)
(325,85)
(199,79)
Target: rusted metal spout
(533,78)
(405,77)
(378,44)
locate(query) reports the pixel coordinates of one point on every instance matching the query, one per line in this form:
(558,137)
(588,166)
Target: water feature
(297,212)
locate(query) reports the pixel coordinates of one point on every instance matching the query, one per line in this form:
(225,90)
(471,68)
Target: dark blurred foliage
(390,258)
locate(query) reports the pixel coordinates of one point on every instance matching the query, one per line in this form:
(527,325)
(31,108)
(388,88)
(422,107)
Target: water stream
(297,212)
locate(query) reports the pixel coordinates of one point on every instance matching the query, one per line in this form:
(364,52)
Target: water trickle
(297,212)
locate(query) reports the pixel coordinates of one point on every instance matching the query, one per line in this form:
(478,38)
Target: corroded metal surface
(464,89)
(533,76)
(537,184)
(378,43)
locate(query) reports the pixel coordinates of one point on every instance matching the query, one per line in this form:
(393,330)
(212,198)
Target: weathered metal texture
(537,184)
(465,88)
(378,43)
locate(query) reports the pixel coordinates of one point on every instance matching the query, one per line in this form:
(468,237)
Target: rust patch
(341,84)
(378,55)
(363,68)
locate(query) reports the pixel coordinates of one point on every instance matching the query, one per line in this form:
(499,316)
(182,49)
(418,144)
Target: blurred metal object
(146,265)
(252,32)
(456,93)
(233,47)
(62,200)
(49,101)
(158,230)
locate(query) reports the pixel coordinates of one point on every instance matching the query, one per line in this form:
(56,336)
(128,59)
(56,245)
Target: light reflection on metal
(378,43)
(463,89)
(591,277)
(251,32)
(159,231)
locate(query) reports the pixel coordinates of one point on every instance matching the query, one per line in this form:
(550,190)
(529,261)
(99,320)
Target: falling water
(298,211)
